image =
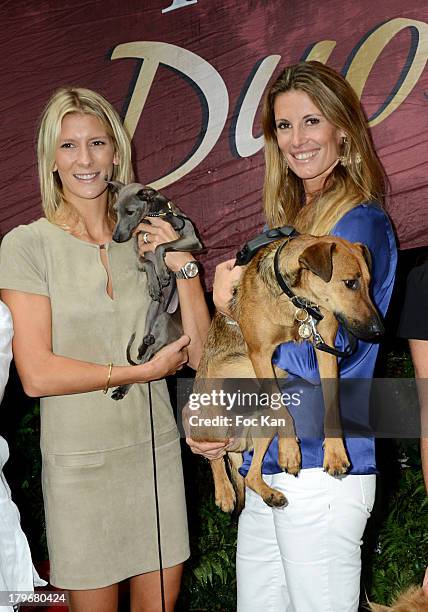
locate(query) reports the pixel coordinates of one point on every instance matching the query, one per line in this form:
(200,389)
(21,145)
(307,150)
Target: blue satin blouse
(368,224)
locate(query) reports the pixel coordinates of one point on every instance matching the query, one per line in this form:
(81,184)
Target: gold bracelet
(110,367)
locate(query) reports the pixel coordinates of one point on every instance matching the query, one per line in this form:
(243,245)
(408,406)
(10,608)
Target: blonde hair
(85,101)
(360,180)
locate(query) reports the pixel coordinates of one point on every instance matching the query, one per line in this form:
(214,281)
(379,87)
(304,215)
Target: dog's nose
(375,327)
(118,237)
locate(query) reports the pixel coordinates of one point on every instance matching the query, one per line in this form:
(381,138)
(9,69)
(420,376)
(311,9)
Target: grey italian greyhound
(136,202)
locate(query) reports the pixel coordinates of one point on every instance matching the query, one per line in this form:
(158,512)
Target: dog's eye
(352,284)
(129,212)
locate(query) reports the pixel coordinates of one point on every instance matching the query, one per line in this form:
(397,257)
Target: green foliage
(398,365)
(27,463)
(209,580)
(401,553)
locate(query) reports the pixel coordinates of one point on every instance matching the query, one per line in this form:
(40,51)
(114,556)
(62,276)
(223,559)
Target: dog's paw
(289,457)
(336,467)
(336,461)
(154,287)
(275,499)
(226,499)
(164,277)
(120,392)
(155,292)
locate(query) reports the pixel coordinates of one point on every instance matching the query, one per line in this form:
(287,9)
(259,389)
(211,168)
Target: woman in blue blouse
(322,176)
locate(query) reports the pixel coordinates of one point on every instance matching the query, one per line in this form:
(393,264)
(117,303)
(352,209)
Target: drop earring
(344,157)
(285,170)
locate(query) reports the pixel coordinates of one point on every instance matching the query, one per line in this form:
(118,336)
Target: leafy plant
(26,465)
(398,364)
(401,551)
(209,581)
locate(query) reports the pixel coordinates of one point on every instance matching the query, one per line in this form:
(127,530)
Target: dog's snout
(119,236)
(375,327)
(370,329)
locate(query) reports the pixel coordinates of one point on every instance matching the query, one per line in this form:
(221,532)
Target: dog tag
(305,331)
(301,315)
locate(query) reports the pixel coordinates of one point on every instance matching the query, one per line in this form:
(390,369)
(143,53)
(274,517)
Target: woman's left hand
(158,231)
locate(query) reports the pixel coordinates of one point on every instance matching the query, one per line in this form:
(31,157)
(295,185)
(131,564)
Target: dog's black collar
(311,309)
(169,213)
(348,350)
(299,302)
(253,246)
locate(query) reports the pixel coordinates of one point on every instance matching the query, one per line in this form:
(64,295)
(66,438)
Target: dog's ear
(146,192)
(115,186)
(377,608)
(366,254)
(318,259)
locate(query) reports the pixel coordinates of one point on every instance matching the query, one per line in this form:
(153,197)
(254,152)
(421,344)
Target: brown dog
(414,599)
(327,271)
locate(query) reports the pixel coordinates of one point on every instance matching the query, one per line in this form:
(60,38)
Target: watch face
(191,269)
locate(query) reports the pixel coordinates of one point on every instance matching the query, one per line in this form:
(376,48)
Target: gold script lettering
(195,68)
(369,52)
(321,51)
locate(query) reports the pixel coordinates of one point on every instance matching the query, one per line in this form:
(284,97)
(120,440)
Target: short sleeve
(22,261)
(369,225)
(413,321)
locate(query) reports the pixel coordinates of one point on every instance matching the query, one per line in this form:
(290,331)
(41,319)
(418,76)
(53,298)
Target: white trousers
(305,557)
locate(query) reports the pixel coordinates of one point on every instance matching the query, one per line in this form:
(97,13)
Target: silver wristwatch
(189,270)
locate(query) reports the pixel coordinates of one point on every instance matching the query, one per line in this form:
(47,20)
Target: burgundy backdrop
(187,76)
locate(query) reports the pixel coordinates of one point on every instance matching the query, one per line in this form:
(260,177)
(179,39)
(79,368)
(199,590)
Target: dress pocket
(78,460)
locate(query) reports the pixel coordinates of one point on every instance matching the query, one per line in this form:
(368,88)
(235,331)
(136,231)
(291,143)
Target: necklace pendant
(305,331)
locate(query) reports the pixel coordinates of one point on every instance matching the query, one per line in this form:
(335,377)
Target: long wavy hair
(84,101)
(361,179)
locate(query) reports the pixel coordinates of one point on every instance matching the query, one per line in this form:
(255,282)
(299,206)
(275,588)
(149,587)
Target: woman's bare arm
(227,276)
(43,373)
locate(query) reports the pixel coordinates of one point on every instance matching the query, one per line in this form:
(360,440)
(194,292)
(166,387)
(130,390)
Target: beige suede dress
(97,464)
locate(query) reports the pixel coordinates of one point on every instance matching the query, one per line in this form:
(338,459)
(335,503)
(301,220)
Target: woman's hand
(158,231)
(209,450)
(168,360)
(226,277)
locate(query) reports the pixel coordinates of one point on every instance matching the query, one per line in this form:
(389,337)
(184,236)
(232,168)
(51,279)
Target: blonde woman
(76,297)
(322,176)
